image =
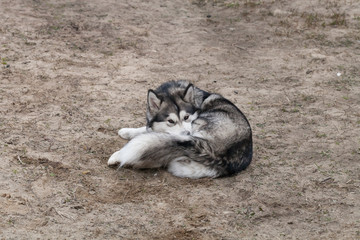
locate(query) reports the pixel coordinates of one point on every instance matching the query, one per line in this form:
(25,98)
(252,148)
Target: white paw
(130,133)
(131,153)
(126,133)
(114,159)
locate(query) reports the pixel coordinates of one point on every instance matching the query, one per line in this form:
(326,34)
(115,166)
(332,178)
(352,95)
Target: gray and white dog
(190,132)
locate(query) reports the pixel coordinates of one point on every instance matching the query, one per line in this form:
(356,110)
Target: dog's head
(172,112)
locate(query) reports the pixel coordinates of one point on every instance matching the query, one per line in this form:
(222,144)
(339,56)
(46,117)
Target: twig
(61,214)
(241,48)
(21,162)
(125,195)
(327,179)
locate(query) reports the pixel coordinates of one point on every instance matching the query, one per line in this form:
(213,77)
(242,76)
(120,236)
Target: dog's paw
(114,159)
(126,133)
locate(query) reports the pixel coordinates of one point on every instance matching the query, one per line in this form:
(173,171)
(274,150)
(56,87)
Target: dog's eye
(171,121)
(186,117)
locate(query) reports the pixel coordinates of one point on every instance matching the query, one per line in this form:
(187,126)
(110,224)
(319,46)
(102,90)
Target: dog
(191,132)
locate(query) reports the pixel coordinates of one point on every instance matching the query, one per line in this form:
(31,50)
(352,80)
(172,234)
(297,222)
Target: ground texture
(74,72)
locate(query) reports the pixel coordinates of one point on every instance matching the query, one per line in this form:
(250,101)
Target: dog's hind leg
(142,151)
(131,152)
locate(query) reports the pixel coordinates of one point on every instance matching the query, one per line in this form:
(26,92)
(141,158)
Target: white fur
(130,133)
(134,149)
(187,125)
(182,114)
(173,117)
(191,169)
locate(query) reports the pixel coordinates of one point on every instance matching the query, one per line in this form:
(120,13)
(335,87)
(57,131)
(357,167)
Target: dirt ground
(74,72)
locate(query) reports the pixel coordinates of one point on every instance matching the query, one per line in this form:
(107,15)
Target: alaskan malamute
(190,132)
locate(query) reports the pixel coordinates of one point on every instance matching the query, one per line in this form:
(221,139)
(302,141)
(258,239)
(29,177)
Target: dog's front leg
(130,133)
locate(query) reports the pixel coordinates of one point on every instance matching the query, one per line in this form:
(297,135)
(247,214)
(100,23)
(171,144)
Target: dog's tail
(182,155)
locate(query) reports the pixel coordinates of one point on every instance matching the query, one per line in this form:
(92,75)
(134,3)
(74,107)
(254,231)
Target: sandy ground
(74,72)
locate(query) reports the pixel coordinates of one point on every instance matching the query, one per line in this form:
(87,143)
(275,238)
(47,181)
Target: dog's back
(223,132)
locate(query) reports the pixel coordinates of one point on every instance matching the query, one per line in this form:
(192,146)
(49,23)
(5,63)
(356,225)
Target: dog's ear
(189,95)
(153,102)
